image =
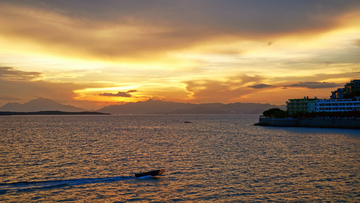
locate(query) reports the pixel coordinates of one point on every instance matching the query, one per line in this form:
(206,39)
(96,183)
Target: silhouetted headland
(310,122)
(9,113)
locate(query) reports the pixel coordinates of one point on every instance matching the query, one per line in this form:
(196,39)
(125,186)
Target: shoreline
(310,122)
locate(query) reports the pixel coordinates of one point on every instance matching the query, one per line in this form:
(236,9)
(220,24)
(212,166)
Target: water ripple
(215,158)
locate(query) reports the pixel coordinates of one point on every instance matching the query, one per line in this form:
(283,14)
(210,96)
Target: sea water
(214,158)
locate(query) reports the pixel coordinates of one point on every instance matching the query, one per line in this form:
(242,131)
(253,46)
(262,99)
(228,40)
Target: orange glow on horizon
(130,58)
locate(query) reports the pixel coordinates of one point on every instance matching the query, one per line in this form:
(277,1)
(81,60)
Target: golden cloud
(124,37)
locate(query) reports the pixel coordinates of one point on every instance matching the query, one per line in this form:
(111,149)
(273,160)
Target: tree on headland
(275,113)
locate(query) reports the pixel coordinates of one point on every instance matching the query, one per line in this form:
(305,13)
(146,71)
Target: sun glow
(133,55)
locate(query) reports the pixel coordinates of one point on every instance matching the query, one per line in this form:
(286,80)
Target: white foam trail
(58,183)
(144,177)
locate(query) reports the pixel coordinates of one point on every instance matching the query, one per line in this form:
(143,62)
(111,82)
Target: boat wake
(29,186)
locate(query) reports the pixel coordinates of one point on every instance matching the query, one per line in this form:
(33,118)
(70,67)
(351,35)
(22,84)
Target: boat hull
(150,173)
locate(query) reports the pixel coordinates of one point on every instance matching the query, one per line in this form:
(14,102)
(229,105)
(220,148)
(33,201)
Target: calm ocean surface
(215,158)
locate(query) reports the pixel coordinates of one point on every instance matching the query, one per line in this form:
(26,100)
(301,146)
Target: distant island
(167,107)
(9,113)
(144,107)
(40,104)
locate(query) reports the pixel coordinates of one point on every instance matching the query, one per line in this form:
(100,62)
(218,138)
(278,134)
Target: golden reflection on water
(222,158)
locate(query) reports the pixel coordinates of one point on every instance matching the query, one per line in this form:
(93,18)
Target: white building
(305,105)
(338,105)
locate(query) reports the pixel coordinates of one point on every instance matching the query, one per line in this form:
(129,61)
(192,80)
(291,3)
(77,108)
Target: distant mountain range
(162,107)
(39,104)
(146,107)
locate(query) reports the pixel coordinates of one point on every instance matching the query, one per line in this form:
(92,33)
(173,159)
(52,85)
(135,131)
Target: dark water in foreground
(215,158)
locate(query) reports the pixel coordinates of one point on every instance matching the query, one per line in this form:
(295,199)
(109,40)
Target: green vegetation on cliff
(275,113)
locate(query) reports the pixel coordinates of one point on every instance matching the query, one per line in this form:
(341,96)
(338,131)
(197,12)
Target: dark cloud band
(261,86)
(119,94)
(315,85)
(9,73)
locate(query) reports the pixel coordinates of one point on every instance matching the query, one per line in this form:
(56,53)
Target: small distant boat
(150,173)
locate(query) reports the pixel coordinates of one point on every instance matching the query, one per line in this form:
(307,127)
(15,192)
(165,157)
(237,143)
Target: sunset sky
(91,53)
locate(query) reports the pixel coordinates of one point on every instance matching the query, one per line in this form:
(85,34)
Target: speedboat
(150,173)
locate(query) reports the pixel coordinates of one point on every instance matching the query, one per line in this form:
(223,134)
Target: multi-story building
(354,85)
(351,87)
(338,105)
(301,105)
